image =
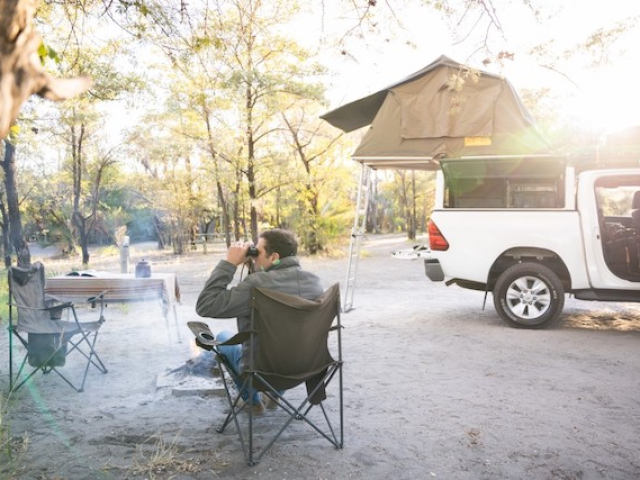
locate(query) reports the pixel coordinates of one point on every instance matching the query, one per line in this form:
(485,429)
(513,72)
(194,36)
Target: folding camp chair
(289,345)
(40,327)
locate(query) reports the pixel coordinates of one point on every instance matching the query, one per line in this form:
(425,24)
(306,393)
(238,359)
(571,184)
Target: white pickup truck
(531,230)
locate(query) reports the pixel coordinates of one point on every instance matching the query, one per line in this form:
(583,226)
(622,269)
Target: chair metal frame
(68,336)
(255,380)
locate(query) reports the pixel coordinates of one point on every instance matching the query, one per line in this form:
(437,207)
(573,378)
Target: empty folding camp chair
(293,348)
(48,329)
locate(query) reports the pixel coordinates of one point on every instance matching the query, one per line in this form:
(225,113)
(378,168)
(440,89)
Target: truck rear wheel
(528,295)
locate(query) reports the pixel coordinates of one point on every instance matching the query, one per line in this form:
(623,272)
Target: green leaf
(53,55)
(42,52)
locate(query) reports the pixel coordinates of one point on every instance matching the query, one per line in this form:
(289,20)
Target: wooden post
(124,255)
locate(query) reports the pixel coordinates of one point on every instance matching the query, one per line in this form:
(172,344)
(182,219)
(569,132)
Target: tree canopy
(203,117)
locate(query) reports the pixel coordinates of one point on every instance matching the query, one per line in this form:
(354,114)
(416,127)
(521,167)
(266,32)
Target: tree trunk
(311,199)
(77,138)
(413,219)
(226,221)
(253,213)
(278,220)
(236,207)
(6,246)
(158,229)
(16,237)
(225,215)
(251,159)
(80,224)
(178,239)
(373,223)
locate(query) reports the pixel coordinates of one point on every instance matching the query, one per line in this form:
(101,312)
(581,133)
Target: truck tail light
(436,239)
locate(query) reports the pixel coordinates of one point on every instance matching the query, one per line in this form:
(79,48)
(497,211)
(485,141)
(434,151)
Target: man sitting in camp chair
(275,267)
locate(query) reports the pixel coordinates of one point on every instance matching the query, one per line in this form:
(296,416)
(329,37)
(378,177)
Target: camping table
(119,288)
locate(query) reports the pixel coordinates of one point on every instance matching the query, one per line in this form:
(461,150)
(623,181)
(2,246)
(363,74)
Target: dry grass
(12,449)
(161,460)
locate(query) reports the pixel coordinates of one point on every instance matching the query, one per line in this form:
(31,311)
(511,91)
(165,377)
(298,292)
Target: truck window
(620,244)
(504,183)
(614,200)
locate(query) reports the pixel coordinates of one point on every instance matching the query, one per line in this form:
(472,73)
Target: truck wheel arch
(529,254)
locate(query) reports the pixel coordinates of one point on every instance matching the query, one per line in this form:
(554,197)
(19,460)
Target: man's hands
(237,253)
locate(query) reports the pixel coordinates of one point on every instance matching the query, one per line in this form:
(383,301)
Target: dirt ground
(435,387)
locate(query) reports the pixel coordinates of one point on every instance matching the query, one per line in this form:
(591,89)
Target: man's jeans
(234,355)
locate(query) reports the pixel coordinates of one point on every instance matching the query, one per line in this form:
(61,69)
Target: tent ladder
(359,228)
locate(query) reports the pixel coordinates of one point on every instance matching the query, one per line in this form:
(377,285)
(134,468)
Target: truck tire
(528,295)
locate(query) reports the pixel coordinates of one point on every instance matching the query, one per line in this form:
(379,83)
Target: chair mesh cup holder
(46,350)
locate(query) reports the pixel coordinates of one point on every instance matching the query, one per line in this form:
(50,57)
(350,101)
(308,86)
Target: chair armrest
(98,298)
(238,338)
(55,311)
(206,343)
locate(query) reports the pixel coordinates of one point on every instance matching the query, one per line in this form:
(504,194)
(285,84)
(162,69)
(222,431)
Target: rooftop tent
(426,117)
(422,118)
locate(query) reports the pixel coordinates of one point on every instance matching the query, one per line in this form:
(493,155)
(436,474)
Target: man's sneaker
(258,408)
(269,402)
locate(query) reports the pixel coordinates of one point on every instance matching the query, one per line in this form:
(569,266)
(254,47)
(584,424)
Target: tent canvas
(431,115)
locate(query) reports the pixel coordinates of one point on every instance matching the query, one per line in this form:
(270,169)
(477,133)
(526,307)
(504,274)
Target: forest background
(203,118)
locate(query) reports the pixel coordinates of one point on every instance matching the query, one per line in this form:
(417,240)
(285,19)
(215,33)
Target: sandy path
(435,388)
